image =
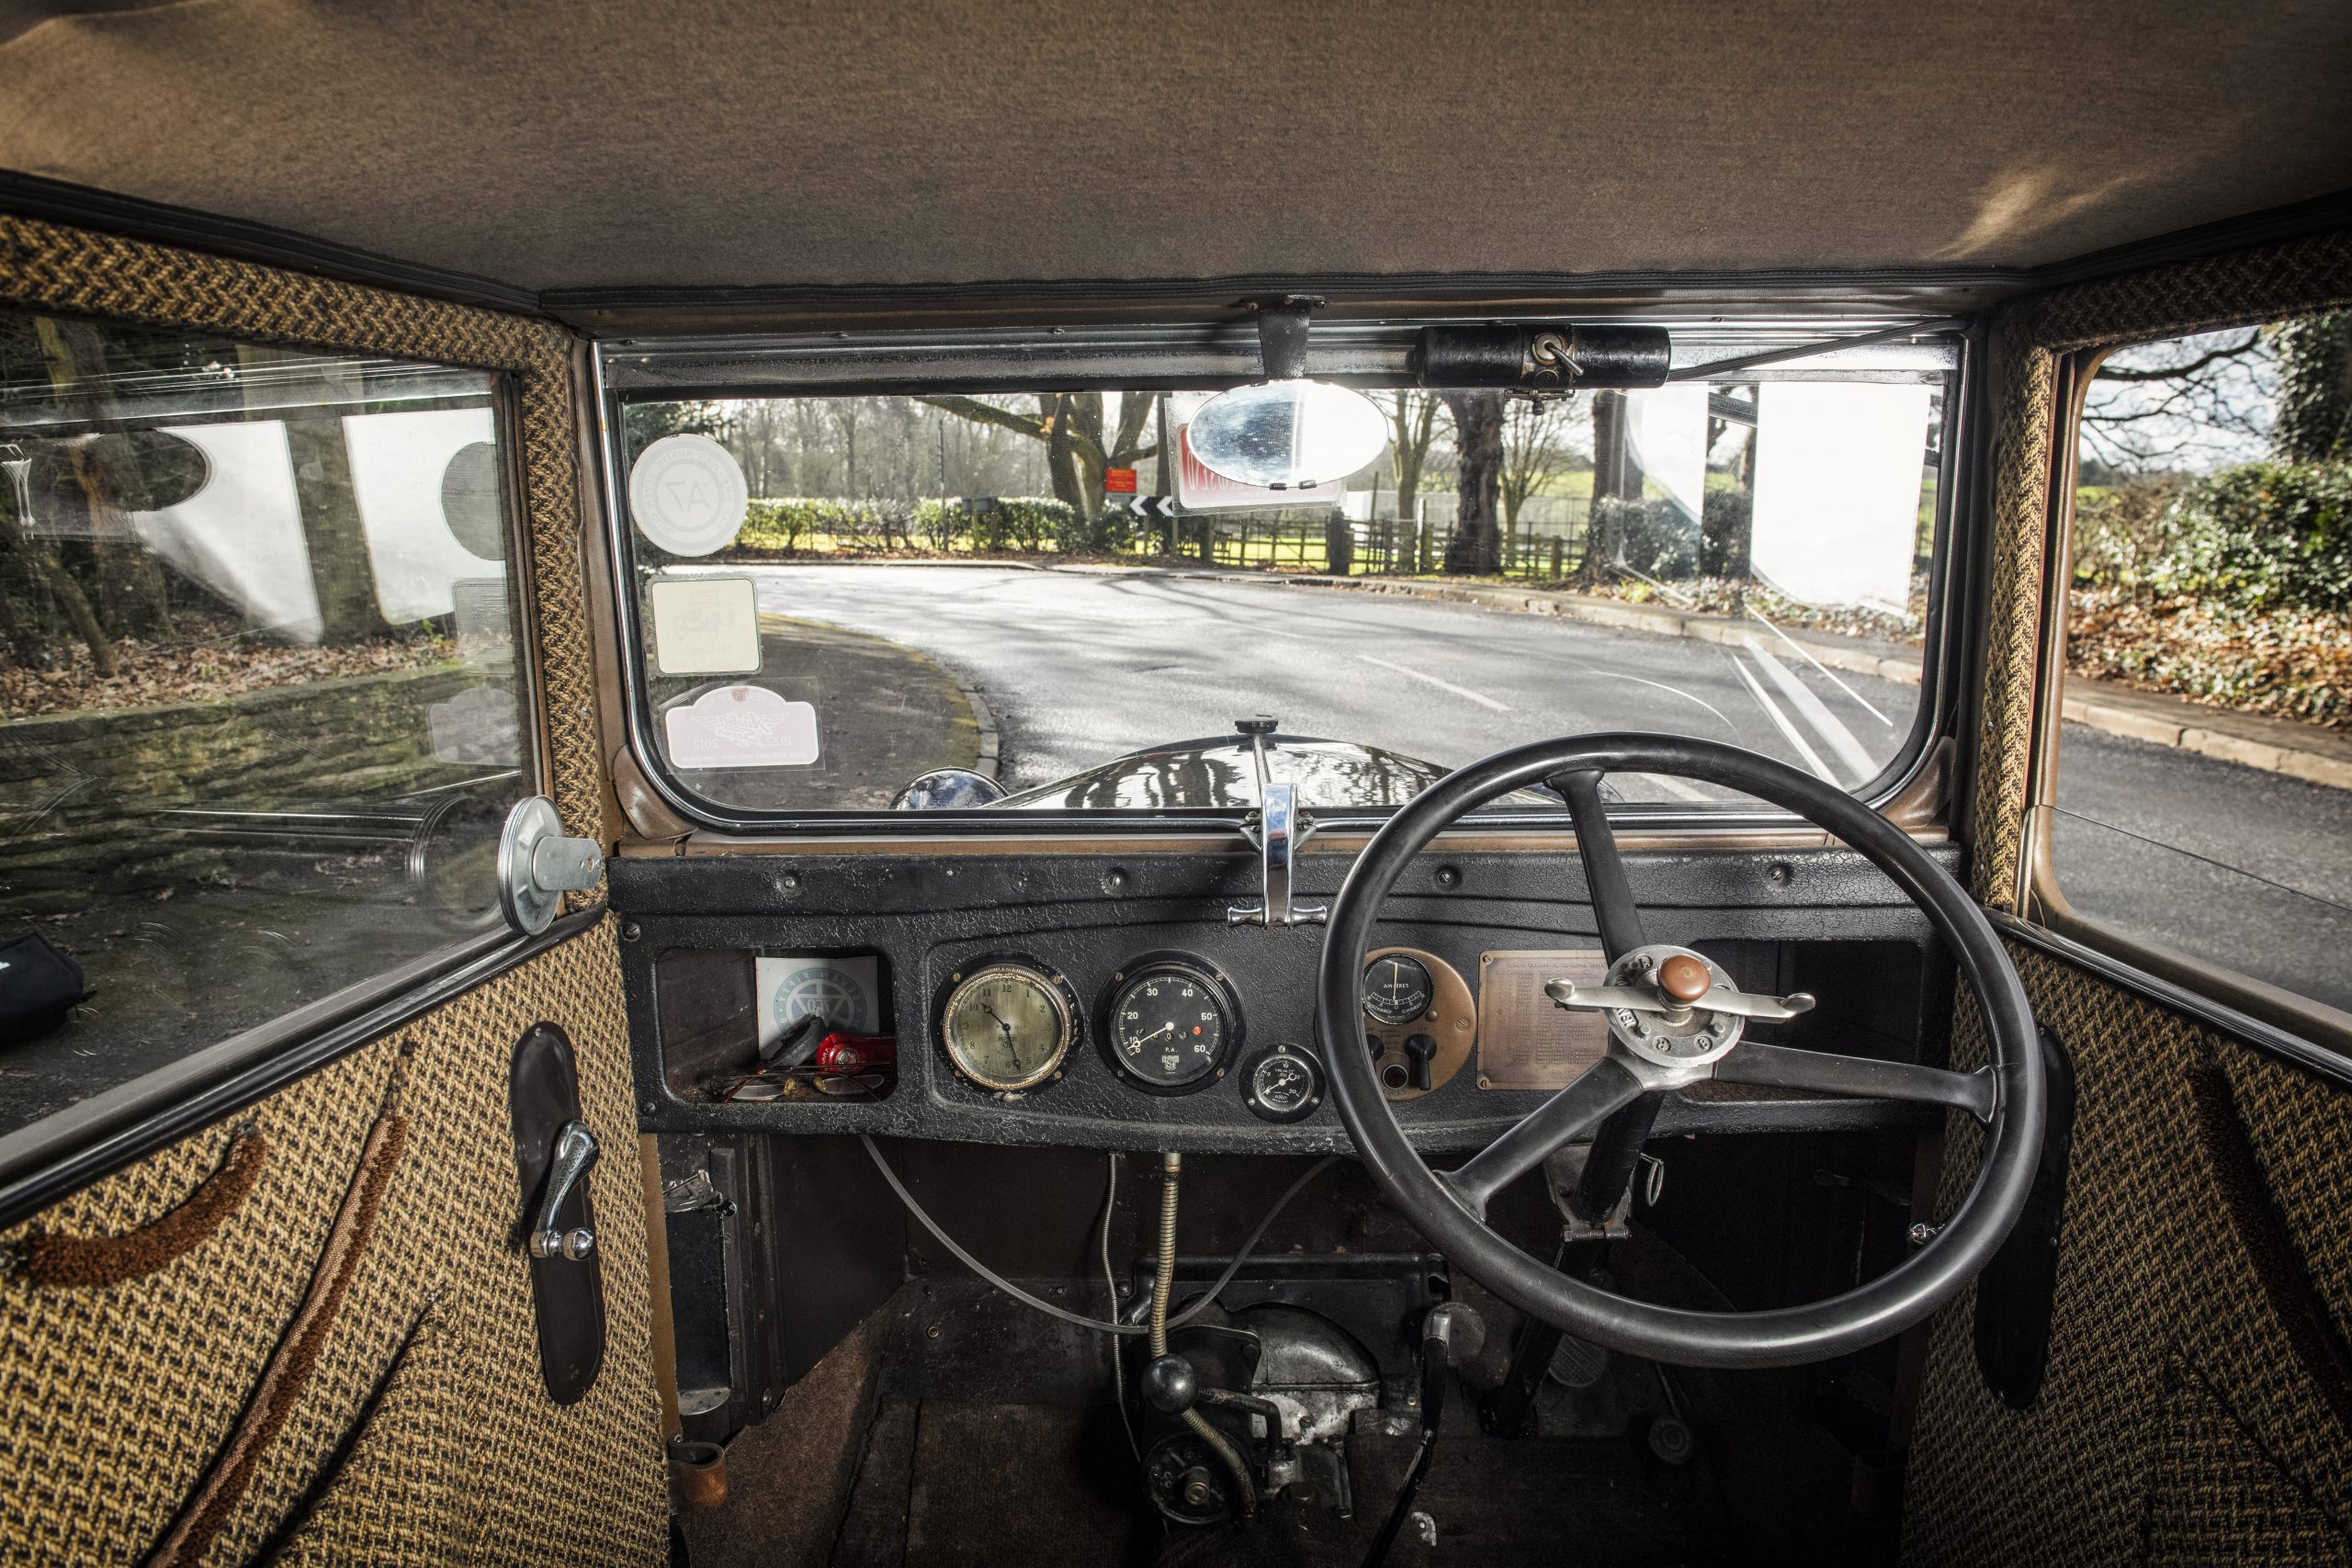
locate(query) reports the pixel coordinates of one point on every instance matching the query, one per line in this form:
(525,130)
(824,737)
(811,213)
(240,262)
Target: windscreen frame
(1151,357)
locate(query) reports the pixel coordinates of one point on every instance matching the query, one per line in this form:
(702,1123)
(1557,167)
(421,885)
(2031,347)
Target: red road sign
(1119,481)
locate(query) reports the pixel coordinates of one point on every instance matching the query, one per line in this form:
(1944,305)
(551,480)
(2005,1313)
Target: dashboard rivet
(1448,877)
(788,881)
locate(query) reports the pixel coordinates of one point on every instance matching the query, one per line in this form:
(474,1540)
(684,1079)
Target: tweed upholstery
(53,267)
(2176,1423)
(113,1402)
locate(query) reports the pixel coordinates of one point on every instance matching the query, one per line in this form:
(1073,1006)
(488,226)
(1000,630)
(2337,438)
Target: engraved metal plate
(1525,1040)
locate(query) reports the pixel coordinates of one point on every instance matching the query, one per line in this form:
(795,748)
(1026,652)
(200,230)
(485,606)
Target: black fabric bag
(38,986)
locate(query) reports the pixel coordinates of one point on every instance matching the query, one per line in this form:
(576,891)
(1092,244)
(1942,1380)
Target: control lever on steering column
(1683,983)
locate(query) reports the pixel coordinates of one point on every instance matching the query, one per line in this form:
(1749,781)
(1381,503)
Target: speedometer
(1170,1024)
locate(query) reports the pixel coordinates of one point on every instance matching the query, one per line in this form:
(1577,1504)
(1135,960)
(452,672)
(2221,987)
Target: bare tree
(2185,403)
(1072,426)
(1412,423)
(1474,547)
(1535,449)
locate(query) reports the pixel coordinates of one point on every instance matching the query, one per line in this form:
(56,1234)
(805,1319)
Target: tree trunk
(1163,481)
(133,600)
(1475,545)
(2314,389)
(1616,475)
(341,570)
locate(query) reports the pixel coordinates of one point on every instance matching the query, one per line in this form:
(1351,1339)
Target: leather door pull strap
(55,1261)
(297,1356)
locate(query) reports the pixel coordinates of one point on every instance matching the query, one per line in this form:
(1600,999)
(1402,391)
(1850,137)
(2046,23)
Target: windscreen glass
(834,595)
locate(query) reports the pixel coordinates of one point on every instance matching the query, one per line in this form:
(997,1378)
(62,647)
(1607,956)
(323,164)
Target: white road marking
(1850,751)
(1824,669)
(1678,788)
(1440,686)
(1676,690)
(1773,711)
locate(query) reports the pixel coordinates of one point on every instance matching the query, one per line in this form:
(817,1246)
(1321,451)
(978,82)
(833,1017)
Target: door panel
(2179,1407)
(2195,1406)
(120,1402)
(305,1329)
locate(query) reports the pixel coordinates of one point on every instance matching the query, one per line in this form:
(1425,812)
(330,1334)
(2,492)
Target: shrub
(1653,538)
(1723,526)
(2267,536)
(2122,530)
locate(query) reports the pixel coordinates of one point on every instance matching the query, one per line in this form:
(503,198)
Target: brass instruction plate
(1525,1040)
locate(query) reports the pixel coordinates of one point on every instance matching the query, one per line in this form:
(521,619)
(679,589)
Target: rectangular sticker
(740,726)
(1525,1039)
(845,991)
(705,625)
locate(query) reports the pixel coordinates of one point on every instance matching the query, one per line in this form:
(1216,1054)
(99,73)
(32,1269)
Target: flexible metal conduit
(1163,1282)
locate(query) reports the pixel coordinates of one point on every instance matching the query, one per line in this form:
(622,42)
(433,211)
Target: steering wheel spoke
(1614,908)
(1605,1086)
(1785,1067)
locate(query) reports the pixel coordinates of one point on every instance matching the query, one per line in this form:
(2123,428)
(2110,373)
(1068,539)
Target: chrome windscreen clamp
(1279,837)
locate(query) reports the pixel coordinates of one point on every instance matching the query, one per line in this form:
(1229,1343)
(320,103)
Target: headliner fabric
(596,145)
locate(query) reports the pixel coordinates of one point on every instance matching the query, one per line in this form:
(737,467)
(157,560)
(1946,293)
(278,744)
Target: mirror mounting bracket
(1279,835)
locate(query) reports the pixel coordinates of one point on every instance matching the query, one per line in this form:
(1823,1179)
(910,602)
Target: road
(1077,668)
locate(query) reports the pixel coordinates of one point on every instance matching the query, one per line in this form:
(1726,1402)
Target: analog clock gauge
(1007,1026)
(1169,1025)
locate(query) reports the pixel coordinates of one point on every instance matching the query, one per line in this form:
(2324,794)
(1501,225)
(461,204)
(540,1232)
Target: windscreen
(835,595)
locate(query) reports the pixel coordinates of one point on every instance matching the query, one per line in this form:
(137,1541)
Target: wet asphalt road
(1078,668)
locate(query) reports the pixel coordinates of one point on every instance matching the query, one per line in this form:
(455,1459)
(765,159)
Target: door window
(2202,800)
(261,708)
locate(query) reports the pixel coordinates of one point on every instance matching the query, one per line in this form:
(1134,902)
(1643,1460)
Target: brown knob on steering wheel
(1684,979)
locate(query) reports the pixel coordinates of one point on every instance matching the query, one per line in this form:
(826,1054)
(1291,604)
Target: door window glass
(2203,797)
(261,713)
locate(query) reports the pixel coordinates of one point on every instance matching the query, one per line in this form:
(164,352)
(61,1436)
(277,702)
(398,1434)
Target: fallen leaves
(216,661)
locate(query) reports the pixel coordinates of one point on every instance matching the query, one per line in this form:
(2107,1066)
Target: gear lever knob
(1169,1384)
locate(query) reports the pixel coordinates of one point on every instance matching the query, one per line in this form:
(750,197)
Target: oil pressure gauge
(1283,1083)
(1168,1023)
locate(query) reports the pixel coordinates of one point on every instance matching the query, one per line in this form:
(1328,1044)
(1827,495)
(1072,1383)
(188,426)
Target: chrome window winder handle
(575,1156)
(1280,836)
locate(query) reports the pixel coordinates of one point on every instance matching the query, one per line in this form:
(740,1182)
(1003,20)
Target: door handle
(575,1156)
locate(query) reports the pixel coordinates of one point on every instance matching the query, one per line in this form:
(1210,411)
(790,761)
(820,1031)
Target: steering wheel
(1675,1019)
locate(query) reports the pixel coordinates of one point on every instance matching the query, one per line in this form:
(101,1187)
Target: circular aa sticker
(687,494)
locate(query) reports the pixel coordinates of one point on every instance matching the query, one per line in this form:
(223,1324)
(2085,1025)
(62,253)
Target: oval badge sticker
(740,726)
(687,494)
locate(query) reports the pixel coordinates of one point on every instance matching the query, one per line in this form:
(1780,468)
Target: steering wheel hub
(1672,1036)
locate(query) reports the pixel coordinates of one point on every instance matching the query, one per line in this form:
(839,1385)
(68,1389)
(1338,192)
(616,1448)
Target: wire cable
(1048,1308)
(1110,1278)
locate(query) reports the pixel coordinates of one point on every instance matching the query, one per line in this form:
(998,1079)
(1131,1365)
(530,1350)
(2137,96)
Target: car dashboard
(1108,1000)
